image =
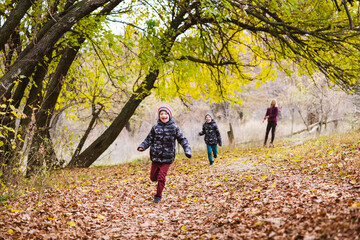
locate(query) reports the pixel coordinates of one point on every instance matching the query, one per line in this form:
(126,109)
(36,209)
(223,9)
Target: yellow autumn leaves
(73,224)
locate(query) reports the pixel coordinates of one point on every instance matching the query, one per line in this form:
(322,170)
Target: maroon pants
(158,174)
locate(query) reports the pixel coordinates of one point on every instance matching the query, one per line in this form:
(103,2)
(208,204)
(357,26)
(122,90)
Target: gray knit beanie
(209,114)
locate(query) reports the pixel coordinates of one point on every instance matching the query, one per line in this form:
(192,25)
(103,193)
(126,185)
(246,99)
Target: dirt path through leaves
(305,192)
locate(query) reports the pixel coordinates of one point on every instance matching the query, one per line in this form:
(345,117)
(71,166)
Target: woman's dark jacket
(212,133)
(161,141)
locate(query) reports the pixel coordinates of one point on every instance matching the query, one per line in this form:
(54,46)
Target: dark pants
(270,126)
(158,174)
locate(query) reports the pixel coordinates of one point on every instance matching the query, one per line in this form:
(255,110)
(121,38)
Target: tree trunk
(32,103)
(292,113)
(57,81)
(24,65)
(34,98)
(8,152)
(13,21)
(304,121)
(15,154)
(41,153)
(312,126)
(230,134)
(93,152)
(42,140)
(13,49)
(95,114)
(9,155)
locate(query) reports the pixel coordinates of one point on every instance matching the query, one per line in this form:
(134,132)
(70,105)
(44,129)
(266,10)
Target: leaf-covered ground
(308,191)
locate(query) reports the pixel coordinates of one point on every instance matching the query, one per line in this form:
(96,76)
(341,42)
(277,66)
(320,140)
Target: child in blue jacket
(212,136)
(161,141)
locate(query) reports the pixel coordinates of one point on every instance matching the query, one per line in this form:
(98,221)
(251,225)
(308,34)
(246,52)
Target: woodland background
(80,84)
(300,106)
(81,80)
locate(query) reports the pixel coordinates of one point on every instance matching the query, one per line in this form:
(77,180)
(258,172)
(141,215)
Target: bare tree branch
(213,64)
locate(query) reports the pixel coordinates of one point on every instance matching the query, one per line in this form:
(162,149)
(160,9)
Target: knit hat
(165,108)
(209,114)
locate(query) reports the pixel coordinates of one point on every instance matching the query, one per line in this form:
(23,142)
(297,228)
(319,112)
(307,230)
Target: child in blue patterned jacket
(161,141)
(212,136)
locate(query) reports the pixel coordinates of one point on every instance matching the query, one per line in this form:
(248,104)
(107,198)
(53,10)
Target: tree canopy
(182,48)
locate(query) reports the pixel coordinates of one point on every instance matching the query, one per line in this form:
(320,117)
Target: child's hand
(140,149)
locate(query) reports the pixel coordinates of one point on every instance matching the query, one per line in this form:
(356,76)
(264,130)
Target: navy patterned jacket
(161,141)
(212,133)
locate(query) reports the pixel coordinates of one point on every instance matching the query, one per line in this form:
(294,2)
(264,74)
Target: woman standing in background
(271,117)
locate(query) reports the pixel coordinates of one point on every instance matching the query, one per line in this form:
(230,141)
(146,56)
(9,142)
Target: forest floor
(307,191)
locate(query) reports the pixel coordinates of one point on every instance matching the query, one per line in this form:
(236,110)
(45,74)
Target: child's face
(164,116)
(208,119)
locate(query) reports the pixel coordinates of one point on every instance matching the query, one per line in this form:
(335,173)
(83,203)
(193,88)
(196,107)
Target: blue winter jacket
(212,133)
(161,141)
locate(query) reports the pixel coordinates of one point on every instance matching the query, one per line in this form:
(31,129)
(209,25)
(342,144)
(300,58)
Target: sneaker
(215,156)
(271,145)
(157,199)
(211,163)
